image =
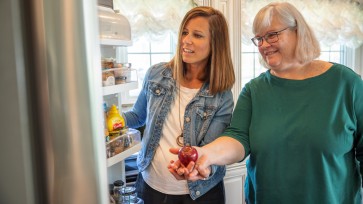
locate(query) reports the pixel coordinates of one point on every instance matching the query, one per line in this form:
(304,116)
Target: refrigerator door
(52,148)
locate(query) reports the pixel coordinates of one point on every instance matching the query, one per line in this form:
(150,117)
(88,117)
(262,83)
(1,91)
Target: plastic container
(108,78)
(108,63)
(115,146)
(120,79)
(135,134)
(124,73)
(121,143)
(117,190)
(129,196)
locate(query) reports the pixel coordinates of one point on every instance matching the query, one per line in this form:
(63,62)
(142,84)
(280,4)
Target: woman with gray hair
(300,122)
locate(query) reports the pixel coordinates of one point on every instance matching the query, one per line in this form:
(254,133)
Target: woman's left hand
(193,172)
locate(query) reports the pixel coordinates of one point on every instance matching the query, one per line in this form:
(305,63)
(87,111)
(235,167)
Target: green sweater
(304,138)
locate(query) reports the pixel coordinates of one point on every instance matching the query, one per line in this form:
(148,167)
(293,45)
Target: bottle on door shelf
(106,133)
(115,122)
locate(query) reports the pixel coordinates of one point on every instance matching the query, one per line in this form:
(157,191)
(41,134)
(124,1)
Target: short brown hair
(219,71)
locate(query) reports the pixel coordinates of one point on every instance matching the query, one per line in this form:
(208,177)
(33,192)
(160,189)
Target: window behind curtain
(251,66)
(145,53)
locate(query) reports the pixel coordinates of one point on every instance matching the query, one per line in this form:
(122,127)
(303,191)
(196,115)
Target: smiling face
(279,55)
(195,46)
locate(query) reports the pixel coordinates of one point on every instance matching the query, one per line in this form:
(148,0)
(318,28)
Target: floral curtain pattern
(333,21)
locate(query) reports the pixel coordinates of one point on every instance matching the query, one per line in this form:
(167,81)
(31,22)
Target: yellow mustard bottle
(115,122)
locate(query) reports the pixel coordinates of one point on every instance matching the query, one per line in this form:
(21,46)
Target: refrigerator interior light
(113,26)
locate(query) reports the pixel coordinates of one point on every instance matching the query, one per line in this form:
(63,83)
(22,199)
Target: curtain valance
(333,21)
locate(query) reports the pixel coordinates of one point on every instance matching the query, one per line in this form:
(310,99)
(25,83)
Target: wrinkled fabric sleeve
(220,121)
(241,120)
(358,108)
(136,117)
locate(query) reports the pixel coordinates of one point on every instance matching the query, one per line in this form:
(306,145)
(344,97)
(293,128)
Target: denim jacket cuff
(213,169)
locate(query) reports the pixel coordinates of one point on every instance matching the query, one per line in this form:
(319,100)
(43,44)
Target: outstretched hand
(199,170)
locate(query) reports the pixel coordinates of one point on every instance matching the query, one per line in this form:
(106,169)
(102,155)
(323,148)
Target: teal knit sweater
(304,138)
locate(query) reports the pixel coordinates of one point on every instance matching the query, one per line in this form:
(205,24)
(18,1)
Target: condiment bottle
(115,121)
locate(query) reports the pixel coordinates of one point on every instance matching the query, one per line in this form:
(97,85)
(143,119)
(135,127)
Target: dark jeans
(151,196)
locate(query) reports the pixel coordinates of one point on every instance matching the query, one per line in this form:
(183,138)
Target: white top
(157,174)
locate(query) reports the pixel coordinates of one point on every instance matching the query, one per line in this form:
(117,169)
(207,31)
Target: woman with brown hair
(185,101)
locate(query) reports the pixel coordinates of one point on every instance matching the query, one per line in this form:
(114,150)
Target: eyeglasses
(269,37)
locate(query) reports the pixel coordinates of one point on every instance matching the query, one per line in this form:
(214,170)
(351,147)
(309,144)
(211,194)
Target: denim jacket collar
(204,91)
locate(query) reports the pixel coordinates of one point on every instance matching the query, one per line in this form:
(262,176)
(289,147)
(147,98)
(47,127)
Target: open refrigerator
(53,147)
(115,36)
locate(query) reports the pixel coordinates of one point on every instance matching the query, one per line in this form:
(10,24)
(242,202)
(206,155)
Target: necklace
(180,139)
(186,100)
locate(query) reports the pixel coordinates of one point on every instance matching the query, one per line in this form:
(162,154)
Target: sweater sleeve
(241,120)
(358,108)
(136,117)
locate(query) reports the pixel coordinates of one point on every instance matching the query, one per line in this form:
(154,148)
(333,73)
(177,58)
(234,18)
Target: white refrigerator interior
(115,36)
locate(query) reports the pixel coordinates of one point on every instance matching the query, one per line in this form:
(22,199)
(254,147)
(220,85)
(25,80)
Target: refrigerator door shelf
(115,42)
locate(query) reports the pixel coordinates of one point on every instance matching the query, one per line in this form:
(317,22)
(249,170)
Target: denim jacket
(206,117)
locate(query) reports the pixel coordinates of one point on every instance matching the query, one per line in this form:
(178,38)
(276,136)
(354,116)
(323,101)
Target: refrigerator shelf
(123,155)
(119,88)
(115,42)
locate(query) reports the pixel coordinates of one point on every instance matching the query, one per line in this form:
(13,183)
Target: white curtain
(333,21)
(153,18)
